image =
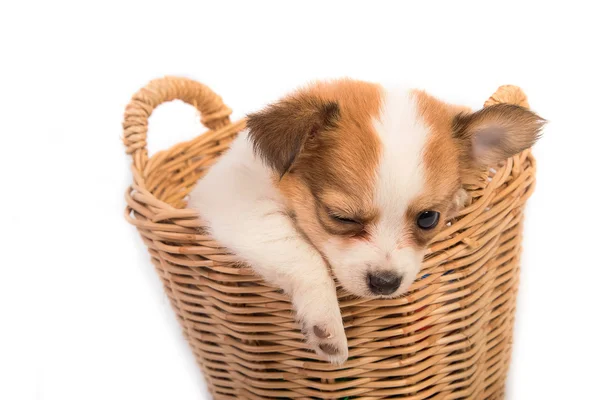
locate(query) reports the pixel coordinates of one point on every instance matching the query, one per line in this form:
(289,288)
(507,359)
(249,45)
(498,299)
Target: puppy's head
(371,174)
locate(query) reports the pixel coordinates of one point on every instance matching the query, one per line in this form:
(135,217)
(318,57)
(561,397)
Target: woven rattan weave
(448,338)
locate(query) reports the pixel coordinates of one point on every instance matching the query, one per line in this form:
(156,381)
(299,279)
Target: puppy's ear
(280,132)
(495,133)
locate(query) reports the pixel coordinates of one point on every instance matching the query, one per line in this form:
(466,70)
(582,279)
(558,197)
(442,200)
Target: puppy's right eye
(343,220)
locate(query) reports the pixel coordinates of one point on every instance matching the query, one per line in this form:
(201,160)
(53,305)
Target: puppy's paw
(328,339)
(319,315)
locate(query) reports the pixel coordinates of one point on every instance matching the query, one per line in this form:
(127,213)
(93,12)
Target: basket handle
(214,113)
(509,94)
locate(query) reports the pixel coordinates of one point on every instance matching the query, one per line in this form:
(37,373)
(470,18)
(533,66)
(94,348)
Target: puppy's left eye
(428,219)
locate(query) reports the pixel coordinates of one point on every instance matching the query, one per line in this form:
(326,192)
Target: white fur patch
(246,213)
(400,178)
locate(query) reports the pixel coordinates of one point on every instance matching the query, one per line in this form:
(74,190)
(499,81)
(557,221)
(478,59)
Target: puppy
(352,176)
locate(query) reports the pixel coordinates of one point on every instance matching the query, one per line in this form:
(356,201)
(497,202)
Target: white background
(82,314)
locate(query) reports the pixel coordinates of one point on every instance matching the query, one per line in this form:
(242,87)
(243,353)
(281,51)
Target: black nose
(383,282)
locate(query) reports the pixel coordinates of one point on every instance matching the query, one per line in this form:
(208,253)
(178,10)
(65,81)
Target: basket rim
(215,117)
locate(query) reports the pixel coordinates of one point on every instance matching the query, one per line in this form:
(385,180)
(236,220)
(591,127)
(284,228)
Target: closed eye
(343,220)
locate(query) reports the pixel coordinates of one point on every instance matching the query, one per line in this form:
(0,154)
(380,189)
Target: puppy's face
(370,175)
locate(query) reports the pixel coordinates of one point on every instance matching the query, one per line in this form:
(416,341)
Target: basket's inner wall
(178,169)
(449,337)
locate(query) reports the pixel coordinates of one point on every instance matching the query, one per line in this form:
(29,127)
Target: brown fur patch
(335,171)
(344,158)
(441,160)
(460,145)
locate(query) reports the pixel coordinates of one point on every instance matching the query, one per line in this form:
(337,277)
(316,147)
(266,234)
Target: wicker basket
(448,338)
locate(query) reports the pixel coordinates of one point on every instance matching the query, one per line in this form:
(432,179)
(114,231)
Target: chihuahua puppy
(354,177)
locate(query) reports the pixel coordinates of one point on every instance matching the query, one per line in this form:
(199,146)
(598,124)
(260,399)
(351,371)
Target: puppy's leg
(313,295)
(272,246)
